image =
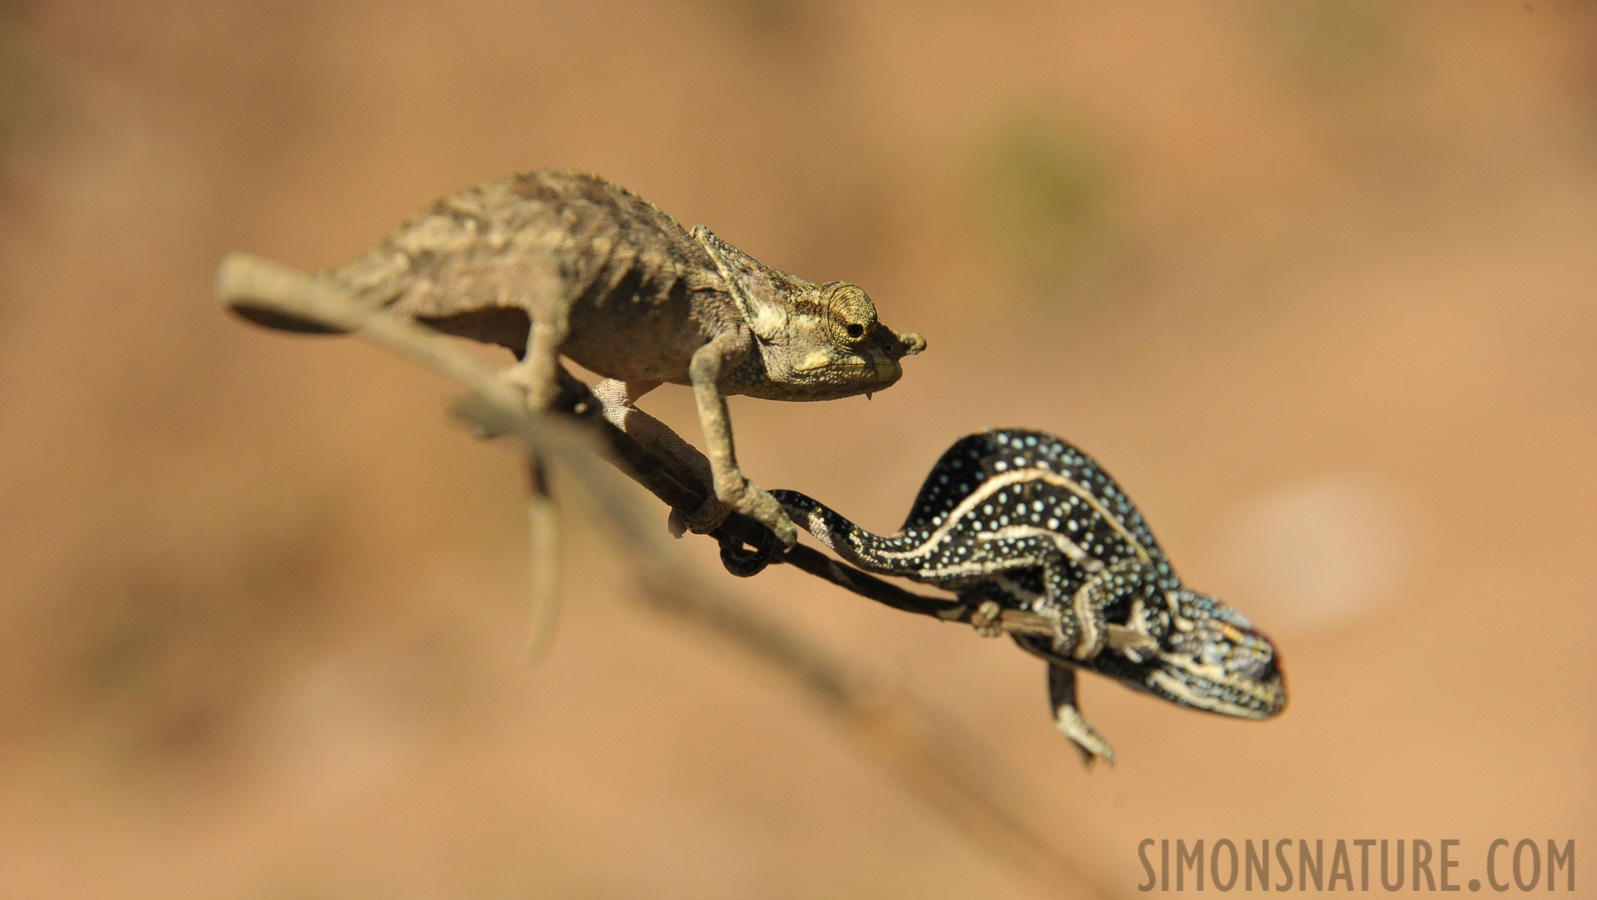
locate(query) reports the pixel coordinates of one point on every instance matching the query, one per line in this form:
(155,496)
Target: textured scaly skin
(562,263)
(1025,520)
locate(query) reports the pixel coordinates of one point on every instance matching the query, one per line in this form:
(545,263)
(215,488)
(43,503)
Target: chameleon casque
(1027,521)
(555,262)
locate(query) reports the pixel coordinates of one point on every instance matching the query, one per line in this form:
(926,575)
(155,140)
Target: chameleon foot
(1068,719)
(1090,745)
(988,619)
(708,517)
(759,505)
(1126,578)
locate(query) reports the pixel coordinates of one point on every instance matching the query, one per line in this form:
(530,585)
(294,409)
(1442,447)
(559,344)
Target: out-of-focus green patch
(1359,66)
(1336,47)
(1045,188)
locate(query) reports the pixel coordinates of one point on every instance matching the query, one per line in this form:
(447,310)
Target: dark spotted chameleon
(1024,520)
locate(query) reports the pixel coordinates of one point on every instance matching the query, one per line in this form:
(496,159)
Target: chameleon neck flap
(763,294)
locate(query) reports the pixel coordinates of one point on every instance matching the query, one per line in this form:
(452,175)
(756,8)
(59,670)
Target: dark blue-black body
(1027,521)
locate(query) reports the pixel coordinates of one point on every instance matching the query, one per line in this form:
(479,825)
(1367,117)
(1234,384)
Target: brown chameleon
(553,263)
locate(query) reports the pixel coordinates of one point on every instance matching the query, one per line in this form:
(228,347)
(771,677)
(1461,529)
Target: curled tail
(272,294)
(849,541)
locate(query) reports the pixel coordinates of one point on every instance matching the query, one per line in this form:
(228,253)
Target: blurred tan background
(1314,280)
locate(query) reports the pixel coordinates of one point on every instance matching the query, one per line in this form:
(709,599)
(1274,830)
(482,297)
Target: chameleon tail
(854,544)
(268,293)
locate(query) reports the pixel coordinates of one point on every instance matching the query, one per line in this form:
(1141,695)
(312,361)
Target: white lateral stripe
(1174,686)
(1214,674)
(981,568)
(997,482)
(841,546)
(1069,548)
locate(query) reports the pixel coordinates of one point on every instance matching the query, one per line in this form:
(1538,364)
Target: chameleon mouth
(1182,680)
(846,381)
(876,369)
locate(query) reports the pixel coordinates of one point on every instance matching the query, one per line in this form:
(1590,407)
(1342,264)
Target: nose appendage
(909,344)
(882,351)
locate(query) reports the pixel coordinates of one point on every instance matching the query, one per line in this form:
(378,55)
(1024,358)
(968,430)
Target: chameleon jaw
(825,375)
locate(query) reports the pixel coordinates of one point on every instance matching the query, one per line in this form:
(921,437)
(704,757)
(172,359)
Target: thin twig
(893,728)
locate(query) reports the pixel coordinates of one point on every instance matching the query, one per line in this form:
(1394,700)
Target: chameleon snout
(888,349)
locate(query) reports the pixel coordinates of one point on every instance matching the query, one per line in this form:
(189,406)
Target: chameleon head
(1212,658)
(817,341)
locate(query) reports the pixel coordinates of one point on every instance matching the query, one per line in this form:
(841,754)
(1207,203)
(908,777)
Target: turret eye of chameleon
(850,308)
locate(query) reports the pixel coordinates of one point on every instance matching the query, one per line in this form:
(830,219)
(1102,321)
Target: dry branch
(892,727)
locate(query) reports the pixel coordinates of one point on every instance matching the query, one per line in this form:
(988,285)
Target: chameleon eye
(855,330)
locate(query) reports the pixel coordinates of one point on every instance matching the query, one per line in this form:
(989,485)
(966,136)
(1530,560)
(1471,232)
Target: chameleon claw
(676,524)
(760,506)
(988,619)
(1068,719)
(1089,744)
(708,517)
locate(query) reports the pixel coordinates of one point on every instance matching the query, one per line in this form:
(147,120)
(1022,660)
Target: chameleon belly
(1028,521)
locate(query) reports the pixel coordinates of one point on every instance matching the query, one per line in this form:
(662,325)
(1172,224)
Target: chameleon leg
(1125,579)
(1067,717)
(1056,581)
(539,374)
(539,370)
(617,399)
(708,364)
(543,533)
